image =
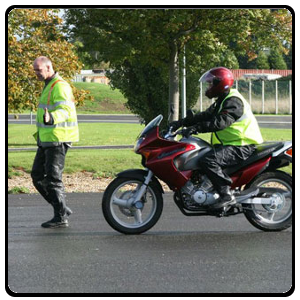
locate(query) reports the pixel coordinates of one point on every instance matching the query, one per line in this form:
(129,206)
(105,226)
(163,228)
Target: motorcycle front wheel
(278,216)
(127,217)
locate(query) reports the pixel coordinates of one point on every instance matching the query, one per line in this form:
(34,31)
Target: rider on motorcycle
(235,131)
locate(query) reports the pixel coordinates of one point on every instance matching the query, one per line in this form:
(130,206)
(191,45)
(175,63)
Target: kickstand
(227,211)
(222,212)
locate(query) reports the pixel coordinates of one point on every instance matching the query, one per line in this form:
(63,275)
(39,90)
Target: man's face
(42,71)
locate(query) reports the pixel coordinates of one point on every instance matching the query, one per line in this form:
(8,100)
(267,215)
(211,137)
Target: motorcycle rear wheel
(134,219)
(266,217)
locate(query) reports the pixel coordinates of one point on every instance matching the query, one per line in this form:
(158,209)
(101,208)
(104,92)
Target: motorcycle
(133,202)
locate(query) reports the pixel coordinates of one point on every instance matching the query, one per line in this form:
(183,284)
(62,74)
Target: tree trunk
(174,84)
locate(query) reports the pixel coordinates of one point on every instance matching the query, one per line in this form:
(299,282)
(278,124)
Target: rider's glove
(186,132)
(176,124)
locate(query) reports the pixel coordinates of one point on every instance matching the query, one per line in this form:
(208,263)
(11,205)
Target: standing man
(57,128)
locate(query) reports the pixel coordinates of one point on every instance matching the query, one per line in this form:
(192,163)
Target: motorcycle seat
(268,146)
(262,150)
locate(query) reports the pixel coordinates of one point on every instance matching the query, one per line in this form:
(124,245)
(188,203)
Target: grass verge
(90,134)
(103,163)
(106,99)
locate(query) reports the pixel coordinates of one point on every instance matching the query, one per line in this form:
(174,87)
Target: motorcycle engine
(199,194)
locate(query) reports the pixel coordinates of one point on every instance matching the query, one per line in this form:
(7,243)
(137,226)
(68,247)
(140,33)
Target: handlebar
(171,134)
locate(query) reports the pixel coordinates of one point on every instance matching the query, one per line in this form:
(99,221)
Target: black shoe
(56,222)
(225,200)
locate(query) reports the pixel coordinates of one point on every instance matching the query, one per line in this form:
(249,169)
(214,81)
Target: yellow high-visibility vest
(244,131)
(58,98)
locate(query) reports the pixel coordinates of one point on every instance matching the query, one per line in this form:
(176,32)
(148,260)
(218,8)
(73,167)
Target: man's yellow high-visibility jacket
(58,98)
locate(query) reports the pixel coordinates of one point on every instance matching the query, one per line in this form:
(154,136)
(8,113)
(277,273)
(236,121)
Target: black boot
(42,190)
(60,219)
(56,222)
(226,198)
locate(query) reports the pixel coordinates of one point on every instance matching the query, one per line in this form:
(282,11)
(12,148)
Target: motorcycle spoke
(138,216)
(119,202)
(271,216)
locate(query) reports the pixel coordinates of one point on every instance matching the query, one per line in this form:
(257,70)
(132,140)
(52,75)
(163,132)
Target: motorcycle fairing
(158,161)
(189,160)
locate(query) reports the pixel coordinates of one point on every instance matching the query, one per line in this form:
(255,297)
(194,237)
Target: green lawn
(113,134)
(106,99)
(101,162)
(90,134)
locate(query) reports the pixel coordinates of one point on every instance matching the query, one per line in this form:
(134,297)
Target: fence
(265,97)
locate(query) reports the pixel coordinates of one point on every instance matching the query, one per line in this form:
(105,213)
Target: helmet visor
(207,77)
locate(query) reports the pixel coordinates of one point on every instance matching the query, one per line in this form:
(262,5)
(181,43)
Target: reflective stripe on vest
(62,124)
(52,107)
(244,131)
(51,88)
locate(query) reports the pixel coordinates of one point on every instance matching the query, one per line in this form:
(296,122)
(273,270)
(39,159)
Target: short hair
(45,60)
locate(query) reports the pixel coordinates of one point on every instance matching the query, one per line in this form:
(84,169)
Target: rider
(235,131)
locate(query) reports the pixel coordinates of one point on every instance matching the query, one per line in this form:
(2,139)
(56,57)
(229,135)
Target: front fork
(135,200)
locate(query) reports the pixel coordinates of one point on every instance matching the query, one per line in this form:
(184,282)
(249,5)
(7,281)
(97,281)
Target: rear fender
(140,175)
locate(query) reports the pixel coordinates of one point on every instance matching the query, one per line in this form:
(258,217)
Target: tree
(245,63)
(143,86)
(288,56)
(156,37)
(262,61)
(276,60)
(32,33)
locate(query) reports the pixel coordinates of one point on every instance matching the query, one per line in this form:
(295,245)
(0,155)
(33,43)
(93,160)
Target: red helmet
(219,79)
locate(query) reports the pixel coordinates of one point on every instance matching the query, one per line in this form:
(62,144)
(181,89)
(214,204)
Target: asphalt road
(178,255)
(264,121)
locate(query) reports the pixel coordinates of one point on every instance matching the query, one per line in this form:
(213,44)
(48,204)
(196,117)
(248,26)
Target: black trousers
(46,175)
(220,157)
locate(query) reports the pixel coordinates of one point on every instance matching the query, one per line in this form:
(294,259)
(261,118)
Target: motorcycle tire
(131,220)
(265,217)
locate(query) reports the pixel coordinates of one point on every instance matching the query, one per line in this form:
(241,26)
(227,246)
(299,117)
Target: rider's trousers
(220,157)
(46,175)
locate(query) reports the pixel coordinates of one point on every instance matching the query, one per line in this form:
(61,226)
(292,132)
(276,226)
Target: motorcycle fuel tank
(189,160)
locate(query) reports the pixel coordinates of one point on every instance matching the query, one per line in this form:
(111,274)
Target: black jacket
(212,120)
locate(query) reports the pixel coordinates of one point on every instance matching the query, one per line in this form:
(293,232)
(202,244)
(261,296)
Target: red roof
(238,73)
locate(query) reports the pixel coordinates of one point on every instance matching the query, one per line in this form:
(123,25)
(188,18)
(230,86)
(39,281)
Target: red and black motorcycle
(133,201)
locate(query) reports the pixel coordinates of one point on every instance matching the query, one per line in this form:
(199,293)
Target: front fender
(140,175)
